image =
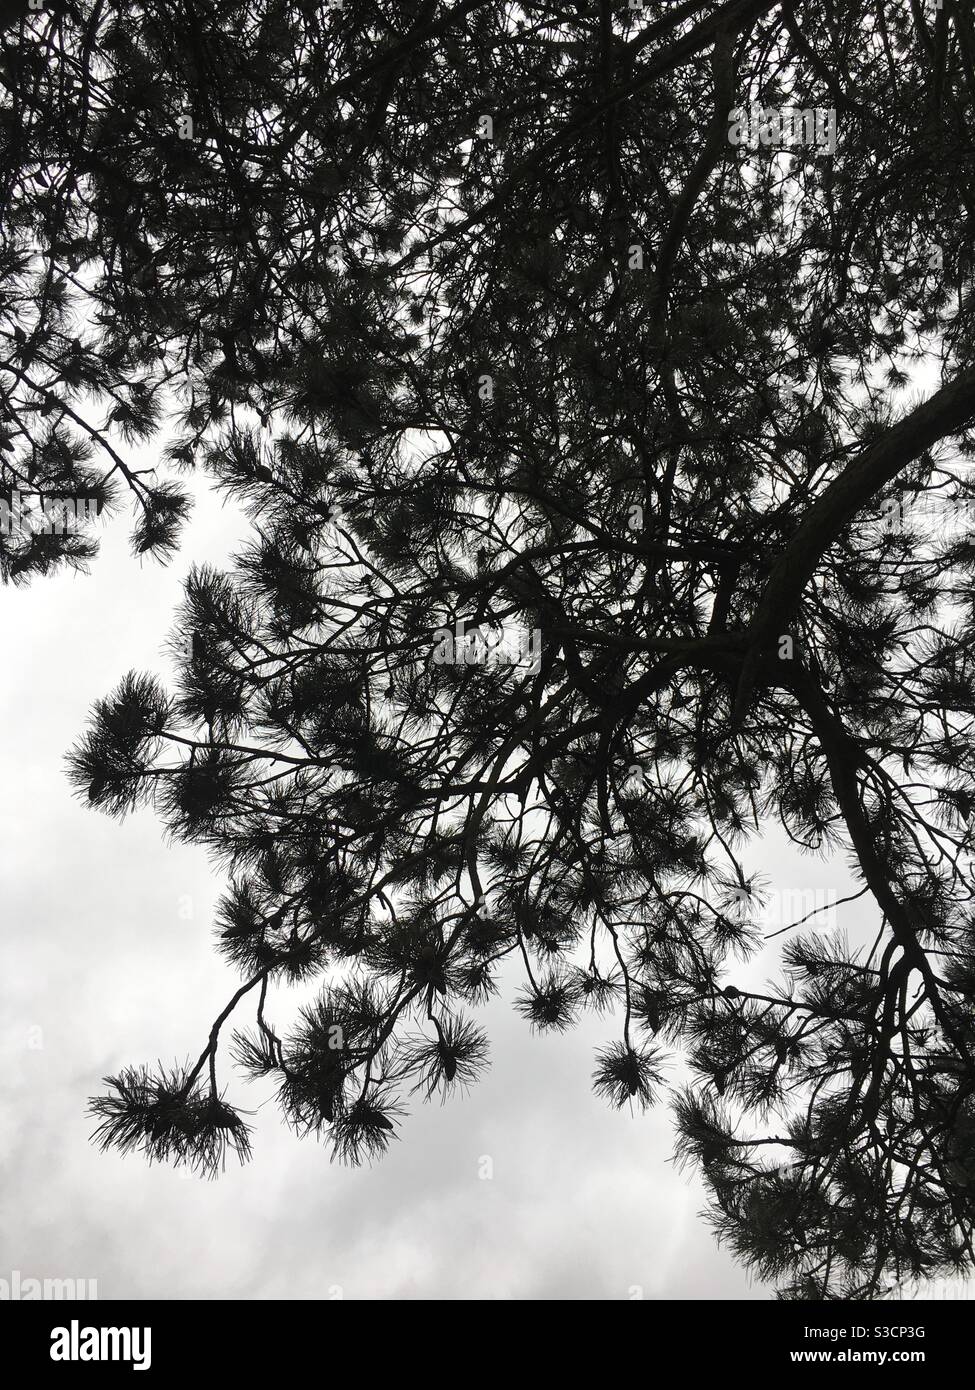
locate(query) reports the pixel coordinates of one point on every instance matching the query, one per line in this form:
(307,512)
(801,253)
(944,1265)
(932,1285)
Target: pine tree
(496,329)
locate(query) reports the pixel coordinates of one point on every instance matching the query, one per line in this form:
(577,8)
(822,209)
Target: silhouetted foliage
(487,321)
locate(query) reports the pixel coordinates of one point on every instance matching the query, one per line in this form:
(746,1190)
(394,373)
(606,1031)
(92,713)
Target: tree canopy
(594,531)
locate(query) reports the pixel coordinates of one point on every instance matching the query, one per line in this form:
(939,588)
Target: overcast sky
(108,961)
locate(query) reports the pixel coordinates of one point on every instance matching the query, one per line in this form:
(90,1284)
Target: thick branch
(946,412)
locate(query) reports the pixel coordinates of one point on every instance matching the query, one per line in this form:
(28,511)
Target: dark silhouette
(555,358)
